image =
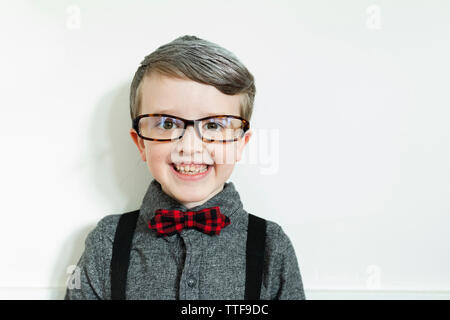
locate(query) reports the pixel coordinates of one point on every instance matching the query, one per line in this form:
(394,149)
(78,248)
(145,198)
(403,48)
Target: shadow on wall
(112,164)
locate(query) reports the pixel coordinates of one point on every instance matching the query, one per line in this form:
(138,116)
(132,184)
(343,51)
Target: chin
(185,193)
(191,194)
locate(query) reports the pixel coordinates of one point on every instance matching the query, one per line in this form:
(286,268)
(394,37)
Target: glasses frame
(194,123)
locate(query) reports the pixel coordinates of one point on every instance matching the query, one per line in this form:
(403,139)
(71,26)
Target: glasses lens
(161,127)
(221,128)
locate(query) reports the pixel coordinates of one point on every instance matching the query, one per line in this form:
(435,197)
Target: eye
(213,125)
(166,123)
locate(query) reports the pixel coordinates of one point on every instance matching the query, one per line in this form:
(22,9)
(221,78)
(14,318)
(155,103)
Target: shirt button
(191,282)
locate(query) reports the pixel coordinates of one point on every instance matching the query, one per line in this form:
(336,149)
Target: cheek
(156,157)
(226,155)
(224,170)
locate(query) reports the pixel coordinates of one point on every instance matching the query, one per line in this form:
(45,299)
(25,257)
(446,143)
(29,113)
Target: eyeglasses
(164,127)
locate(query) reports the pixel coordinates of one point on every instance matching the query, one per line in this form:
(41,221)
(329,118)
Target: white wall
(355,167)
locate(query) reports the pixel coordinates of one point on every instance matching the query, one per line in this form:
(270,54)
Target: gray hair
(201,61)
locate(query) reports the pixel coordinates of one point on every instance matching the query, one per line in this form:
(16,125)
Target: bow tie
(169,222)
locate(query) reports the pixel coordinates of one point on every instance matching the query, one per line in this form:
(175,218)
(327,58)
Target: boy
(189,79)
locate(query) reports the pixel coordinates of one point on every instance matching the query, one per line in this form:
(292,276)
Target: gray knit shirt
(189,265)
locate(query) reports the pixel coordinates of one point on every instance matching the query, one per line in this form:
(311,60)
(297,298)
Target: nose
(190,142)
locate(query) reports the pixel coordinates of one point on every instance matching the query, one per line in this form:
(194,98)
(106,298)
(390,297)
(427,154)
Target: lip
(195,177)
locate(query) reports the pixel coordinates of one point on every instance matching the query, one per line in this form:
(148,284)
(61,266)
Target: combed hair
(189,57)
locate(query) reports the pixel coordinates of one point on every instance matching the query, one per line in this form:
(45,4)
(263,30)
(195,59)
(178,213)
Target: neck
(190,205)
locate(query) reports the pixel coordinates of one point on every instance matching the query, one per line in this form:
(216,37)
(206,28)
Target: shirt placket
(189,281)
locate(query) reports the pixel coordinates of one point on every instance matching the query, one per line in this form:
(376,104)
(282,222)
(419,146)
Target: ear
(139,143)
(242,143)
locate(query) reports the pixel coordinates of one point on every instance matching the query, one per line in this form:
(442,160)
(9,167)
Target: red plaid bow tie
(169,222)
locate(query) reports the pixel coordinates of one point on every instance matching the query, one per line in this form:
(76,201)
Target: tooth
(191,169)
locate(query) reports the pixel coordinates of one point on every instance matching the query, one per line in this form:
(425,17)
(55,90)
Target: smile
(191,176)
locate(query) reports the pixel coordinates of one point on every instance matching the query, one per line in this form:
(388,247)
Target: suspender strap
(256,238)
(121,254)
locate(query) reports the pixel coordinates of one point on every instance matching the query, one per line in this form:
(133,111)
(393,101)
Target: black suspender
(121,254)
(256,238)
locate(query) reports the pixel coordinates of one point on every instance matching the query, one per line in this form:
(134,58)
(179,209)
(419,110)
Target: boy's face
(189,100)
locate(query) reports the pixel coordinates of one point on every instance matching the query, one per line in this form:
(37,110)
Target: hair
(189,57)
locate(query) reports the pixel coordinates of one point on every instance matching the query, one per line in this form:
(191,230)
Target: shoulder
(104,231)
(277,241)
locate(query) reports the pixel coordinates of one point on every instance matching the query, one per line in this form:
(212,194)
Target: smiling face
(189,100)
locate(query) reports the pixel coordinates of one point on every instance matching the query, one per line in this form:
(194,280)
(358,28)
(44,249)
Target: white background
(351,145)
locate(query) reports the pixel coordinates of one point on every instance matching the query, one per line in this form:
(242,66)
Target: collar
(227,199)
